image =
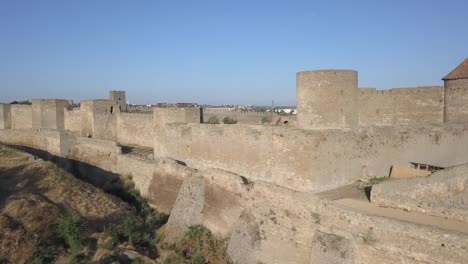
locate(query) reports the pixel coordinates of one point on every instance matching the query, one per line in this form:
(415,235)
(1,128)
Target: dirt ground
(356,196)
(34,194)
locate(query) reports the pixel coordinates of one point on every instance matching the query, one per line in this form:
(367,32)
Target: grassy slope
(117,224)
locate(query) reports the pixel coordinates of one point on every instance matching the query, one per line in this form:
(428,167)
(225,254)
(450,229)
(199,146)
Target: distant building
(181,105)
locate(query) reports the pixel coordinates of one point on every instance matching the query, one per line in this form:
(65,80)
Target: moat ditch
(141,232)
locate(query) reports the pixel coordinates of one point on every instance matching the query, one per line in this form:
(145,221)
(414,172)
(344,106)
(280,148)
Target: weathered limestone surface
(168,115)
(219,196)
(120,99)
(48,113)
(166,181)
(384,240)
(332,249)
(265,223)
(275,229)
(21,116)
(444,193)
(45,140)
(73,120)
(327,99)
(417,106)
(188,208)
(456,98)
(399,172)
(5,116)
(133,128)
(309,160)
(98,119)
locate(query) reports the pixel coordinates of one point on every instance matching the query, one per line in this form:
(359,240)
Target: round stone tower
(327,99)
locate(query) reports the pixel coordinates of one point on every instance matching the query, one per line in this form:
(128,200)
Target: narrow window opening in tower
(111,110)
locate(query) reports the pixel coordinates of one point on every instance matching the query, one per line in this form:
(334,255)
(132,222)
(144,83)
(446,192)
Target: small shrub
(174,259)
(139,226)
(130,229)
(200,246)
(377,180)
(197,259)
(39,258)
(229,120)
(112,231)
(195,233)
(167,246)
(213,120)
(266,120)
(137,261)
(126,191)
(70,228)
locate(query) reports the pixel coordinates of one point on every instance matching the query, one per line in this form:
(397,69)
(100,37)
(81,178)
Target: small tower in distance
(120,100)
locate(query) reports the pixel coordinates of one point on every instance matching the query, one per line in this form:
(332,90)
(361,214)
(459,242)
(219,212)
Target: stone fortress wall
(257,186)
(249,117)
(72,120)
(341,134)
(327,99)
(21,116)
(135,129)
(419,106)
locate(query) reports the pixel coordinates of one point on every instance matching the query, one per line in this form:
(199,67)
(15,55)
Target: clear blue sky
(239,52)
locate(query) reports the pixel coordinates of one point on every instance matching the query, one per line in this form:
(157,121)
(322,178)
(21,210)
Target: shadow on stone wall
(89,173)
(109,182)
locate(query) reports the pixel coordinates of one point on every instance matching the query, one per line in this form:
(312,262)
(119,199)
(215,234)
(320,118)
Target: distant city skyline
(221,52)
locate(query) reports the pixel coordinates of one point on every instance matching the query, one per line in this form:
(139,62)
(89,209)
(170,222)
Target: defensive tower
(327,99)
(120,100)
(456,95)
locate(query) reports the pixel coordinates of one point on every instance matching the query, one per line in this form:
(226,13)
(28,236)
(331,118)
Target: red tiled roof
(460,72)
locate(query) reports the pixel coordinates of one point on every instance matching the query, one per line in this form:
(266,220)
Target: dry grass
(34,195)
(198,246)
